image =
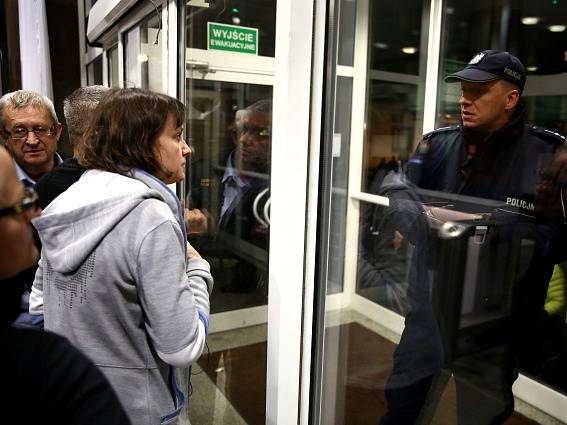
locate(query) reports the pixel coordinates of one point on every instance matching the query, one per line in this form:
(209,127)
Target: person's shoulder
(43,341)
(442,131)
(56,181)
(547,135)
(68,387)
(437,141)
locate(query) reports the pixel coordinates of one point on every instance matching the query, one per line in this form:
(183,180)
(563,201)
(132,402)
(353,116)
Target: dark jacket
(58,180)
(67,387)
(392,245)
(400,276)
(506,168)
(237,234)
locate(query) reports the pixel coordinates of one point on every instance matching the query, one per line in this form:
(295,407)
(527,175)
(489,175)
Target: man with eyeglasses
(30,130)
(241,191)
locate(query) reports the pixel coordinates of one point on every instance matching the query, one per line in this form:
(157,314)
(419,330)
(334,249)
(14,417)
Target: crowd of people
(106,336)
(109,227)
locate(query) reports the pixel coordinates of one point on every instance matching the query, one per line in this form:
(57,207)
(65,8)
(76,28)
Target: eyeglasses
(21,133)
(254,131)
(28,202)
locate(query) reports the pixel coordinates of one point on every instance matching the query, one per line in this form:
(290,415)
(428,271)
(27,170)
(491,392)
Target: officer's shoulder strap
(441,130)
(549,135)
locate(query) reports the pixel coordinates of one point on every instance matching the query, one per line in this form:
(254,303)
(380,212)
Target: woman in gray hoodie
(117,276)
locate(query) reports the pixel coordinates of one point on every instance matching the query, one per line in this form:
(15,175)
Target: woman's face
(170,151)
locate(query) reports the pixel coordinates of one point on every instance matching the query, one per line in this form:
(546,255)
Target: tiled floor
(229,385)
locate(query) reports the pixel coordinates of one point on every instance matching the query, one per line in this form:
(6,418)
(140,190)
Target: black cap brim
(472,75)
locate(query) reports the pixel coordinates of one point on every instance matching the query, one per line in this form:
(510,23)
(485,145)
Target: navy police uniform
(507,167)
(504,167)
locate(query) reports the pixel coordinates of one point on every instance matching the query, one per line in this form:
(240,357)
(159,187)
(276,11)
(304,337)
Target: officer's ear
(512,93)
(512,99)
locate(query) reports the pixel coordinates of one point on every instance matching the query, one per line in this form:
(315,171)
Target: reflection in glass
(448,273)
(230,182)
(341,150)
(384,253)
(395,36)
(229,129)
(143,55)
(393,119)
(94,72)
(113,79)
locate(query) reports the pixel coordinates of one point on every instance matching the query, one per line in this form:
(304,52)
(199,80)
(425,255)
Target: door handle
(199,66)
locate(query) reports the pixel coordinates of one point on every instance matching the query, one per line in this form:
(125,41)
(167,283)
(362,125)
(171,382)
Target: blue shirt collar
(25,178)
(232,173)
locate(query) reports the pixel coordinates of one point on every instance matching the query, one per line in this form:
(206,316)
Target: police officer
(492,154)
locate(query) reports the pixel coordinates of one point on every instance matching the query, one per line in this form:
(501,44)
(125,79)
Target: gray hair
(78,108)
(263,106)
(23,99)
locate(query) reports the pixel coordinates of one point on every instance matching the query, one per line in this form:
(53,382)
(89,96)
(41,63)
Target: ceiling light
(531,68)
(556,28)
(409,50)
(379,45)
(236,20)
(142,57)
(530,20)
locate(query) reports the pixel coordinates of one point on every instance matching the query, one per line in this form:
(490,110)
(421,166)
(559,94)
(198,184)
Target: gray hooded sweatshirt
(114,279)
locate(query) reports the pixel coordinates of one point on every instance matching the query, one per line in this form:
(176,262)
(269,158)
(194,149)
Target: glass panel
(444,286)
(384,259)
(143,55)
(229,128)
(260,14)
(86,25)
(358,355)
(94,72)
(393,120)
(346,32)
(113,78)
(237,241)
(395,36)
(229,183)
(534,31)
(341,148)
(396,85)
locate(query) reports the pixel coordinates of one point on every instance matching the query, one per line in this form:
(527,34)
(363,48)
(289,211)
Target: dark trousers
(483,386)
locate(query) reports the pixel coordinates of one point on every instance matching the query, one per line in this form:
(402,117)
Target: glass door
(229,69)
(415,323)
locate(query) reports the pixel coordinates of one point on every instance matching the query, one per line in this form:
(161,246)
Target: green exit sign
(232,38)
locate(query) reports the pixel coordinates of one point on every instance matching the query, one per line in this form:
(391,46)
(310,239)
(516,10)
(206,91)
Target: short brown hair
(123,129)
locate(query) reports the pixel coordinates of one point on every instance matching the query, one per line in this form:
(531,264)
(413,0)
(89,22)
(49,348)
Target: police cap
(490,65)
